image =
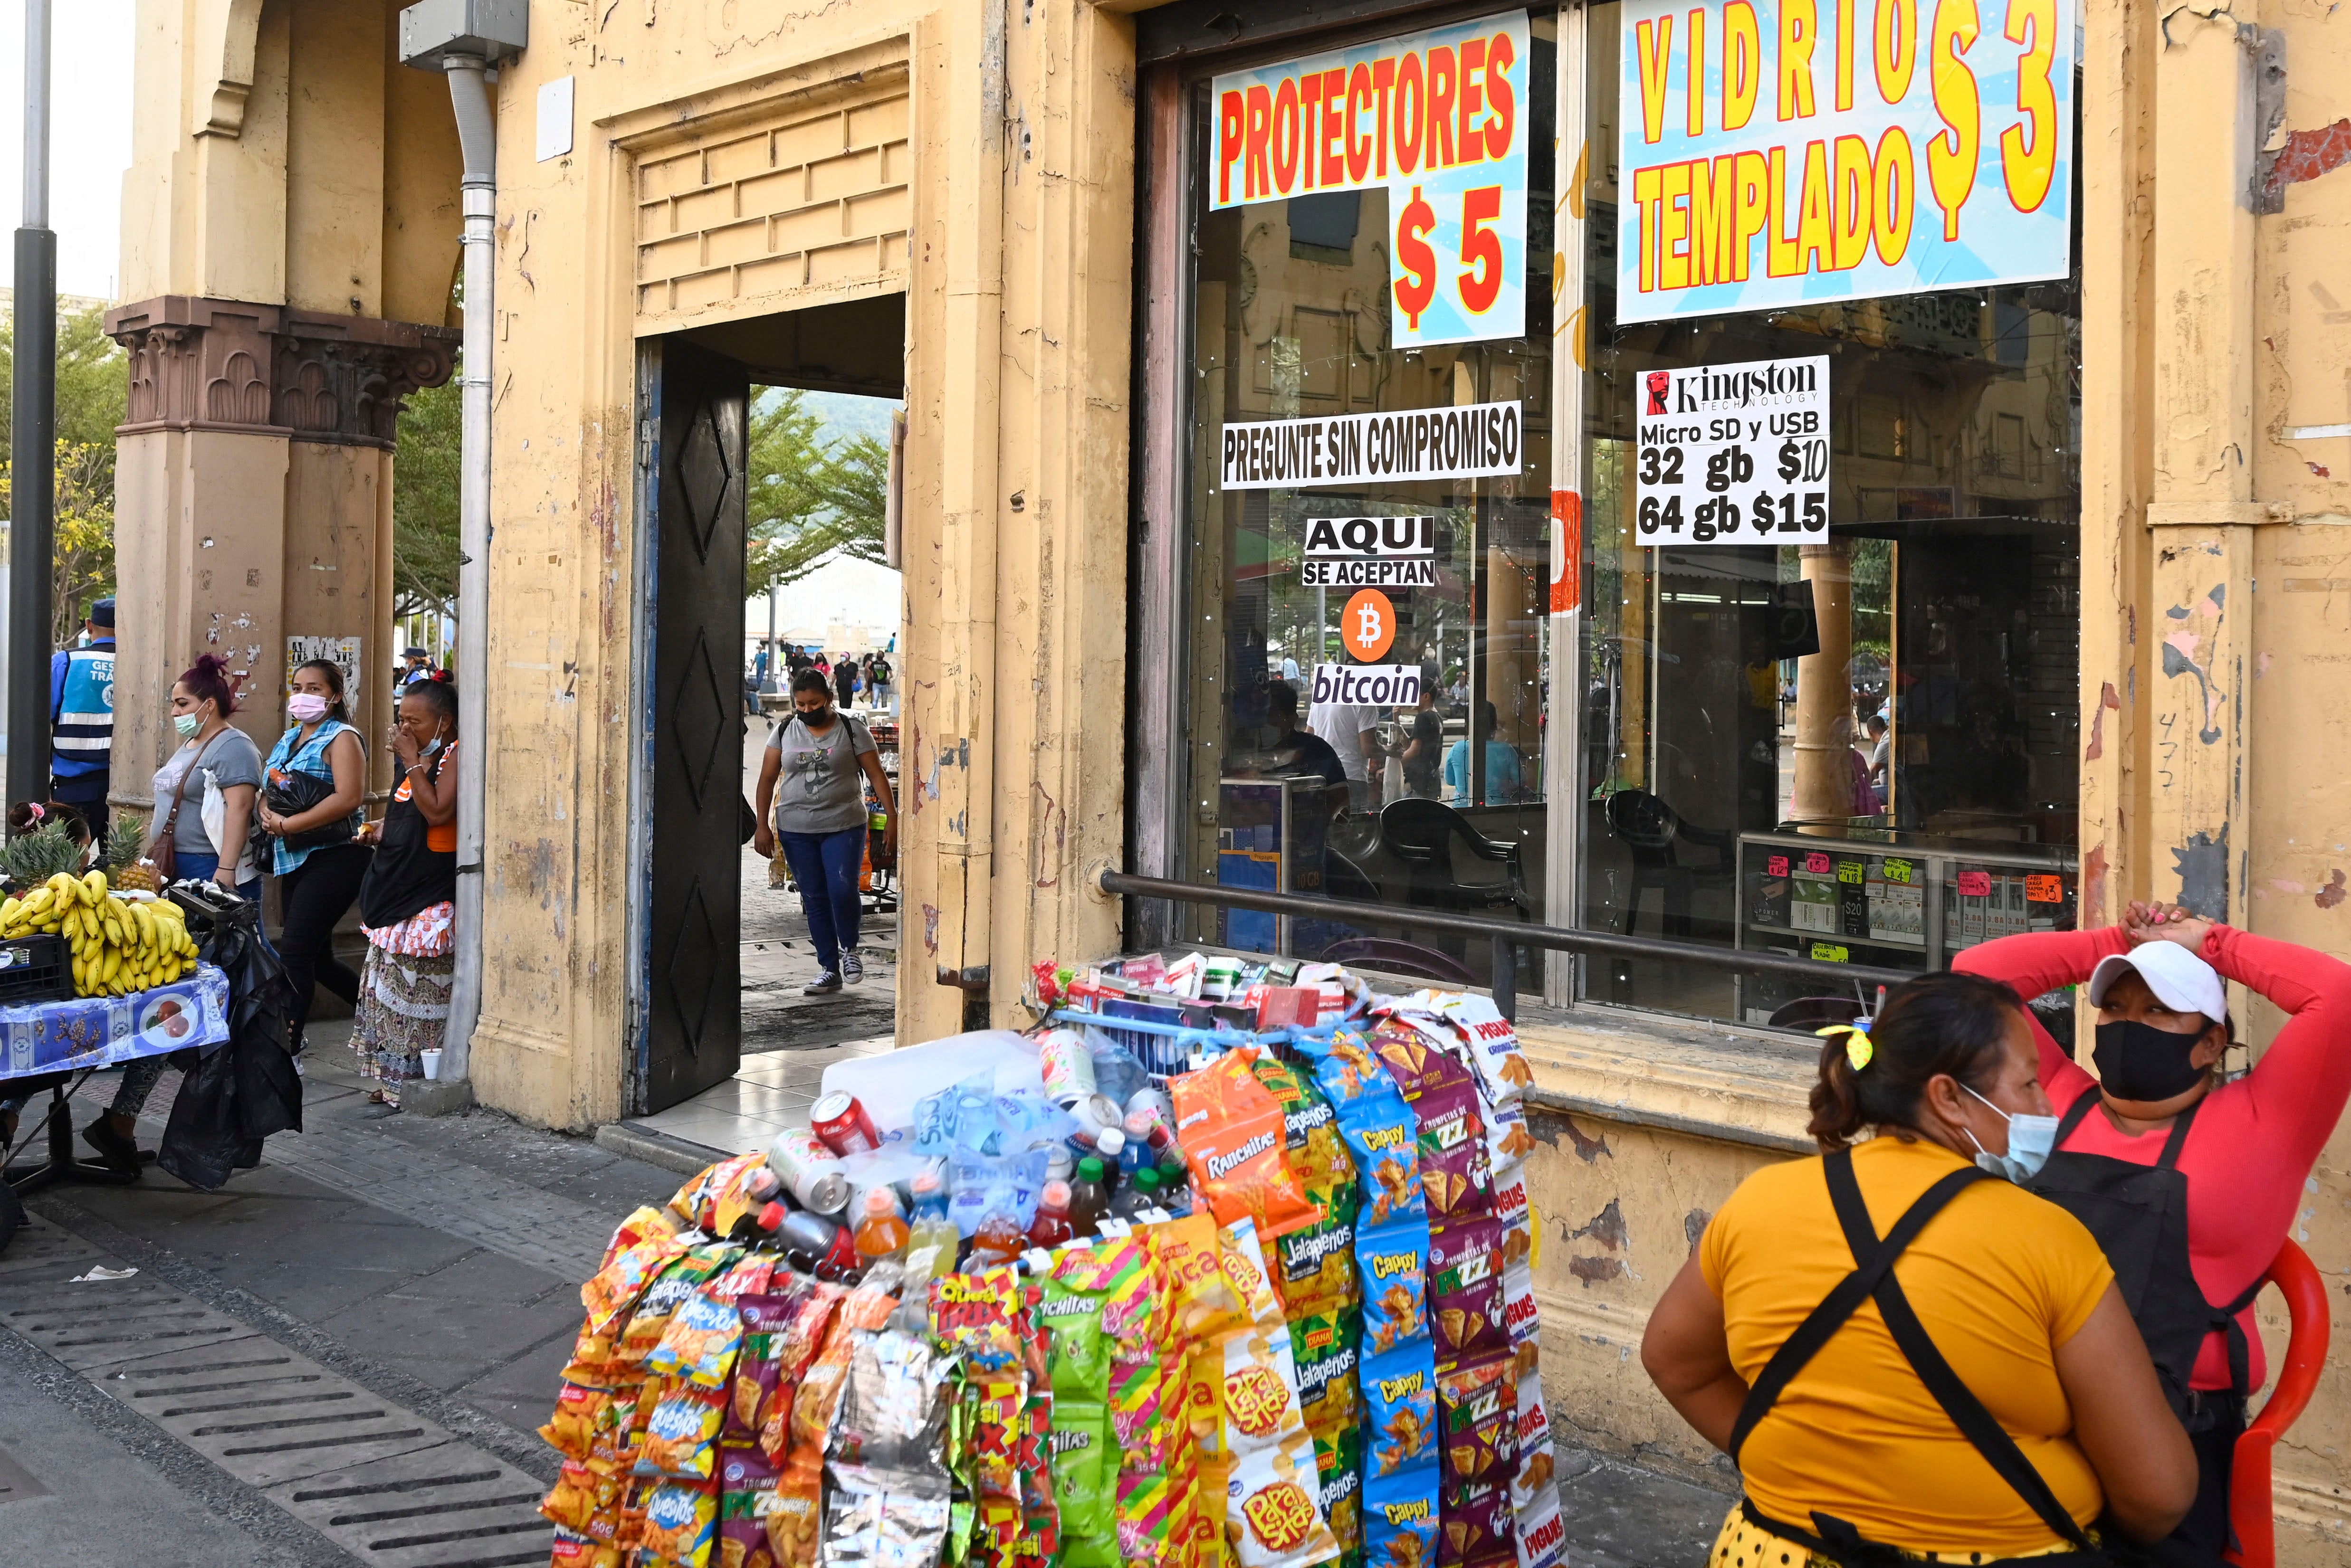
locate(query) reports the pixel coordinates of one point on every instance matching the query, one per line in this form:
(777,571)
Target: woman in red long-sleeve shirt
(2190,1223)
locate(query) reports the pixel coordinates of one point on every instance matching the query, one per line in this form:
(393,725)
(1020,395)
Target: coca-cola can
(840,1124)
(1068,1066)
(809,1171)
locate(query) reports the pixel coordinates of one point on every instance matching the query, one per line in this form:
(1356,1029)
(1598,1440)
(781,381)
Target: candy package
(1400,1518)
(1393,1261)
(1324,1350)
(1273,1498)
(1261,1390)
(1315,1265)
(1454,1168)
(747,1496)
(1399,1392)
(700,1343)
(1234,1139)
(680,1436)
(1085,1483)
(1477,1416)
(1479,1526)
(1339,1464)
(681,1520)
(1465,1289)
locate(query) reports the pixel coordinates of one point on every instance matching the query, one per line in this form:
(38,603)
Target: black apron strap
(2177,1141)
(2082,1106)
(1872,1261)
(1967,1412)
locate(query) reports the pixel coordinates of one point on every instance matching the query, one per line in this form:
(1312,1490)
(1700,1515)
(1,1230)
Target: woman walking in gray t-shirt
(818,816)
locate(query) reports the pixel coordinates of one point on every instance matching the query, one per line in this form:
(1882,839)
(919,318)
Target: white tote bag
(214,816)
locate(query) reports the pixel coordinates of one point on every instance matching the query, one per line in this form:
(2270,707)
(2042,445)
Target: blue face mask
(2030,1139)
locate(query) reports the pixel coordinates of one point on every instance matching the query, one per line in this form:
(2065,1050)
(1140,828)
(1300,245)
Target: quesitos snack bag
(1477,1417)
(614,1290)
(1400,1518)
(1393,1261)
(663,1296)
(1465,1289)
(1235,1141)
(679,1439)
(1455,1170)
(681,1519)
(1399,1391)
(700,1343)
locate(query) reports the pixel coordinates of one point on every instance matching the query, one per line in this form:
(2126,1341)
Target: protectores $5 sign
(1438,120)
(1776,152)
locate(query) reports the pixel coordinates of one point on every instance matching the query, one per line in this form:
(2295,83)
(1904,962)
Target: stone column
(1824,690)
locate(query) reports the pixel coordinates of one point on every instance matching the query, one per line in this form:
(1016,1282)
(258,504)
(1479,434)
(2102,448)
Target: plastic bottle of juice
(997,1241)
(1110,1148)
(881,1233)
(1087,1198)
(1052,1227)
(931,1228)
(1138,1195)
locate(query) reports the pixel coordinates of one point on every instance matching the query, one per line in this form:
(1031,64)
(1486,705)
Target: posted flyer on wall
(1792,152)
(1438,120)
(1473,440)
(1734,454)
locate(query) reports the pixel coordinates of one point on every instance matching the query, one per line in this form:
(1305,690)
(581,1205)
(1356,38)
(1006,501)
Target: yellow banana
(93,888)
(146,924)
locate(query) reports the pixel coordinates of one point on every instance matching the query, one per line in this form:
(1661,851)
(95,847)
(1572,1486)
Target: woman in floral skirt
(407,903)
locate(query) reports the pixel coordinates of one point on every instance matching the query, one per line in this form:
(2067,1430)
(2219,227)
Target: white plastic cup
(431,1065)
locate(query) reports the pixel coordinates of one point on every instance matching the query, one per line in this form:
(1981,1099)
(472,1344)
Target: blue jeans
(826,866)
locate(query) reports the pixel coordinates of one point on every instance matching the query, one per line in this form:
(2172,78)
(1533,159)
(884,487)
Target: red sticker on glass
(1776,866)
(2045,887)
(1975,884)
(1817,863)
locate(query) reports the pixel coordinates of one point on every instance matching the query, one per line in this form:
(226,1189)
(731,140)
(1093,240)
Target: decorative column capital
(271,369)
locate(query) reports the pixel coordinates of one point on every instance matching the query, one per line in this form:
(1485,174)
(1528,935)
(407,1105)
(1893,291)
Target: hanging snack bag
(869,1523)
(585,1502)
(1520,1318)
(1417,1058)
(765,1318)
(1205,1302)
(1393,1261)
(747,1496)
(1344,1066)
(662,1298)
(1273,1498)
(1491,1043)
(1085,1482)
(573,1550)
(1077,1345)
(1261,1390)
(1243,1261)
(1399,1392)
(579,1410)
(1532,1480)
(795,1347)
(1479,1529)
(1465,1289)
(1542,1533)
(1455,1170)
(1314,1266)
(617,1288)
(1400,1518)
(681,1520)
(1309,1129)
(1382,1137)
(1516,1213)
(680,1437)
(1234,1140)
(1339,1466)
(1478,1412)
(643,1223)
(1324,1349)
(700,1343)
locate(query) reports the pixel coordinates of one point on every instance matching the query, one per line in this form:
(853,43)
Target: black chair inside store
(1669,854)
(1401,958)
(1420,835)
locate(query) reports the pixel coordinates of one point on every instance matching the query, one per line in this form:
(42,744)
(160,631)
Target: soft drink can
(827,1247)
(1097,1114)
(1156,1101)
(1068,1066)
(840,1124)
(809,1171)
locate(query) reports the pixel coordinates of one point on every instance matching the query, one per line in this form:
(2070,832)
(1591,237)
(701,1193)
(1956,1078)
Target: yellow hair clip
(1858,1051)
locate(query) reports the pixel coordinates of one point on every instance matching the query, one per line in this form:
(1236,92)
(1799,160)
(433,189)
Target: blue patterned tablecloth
(108,1030)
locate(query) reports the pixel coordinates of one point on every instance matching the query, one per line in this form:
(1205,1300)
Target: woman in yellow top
(1985,1399)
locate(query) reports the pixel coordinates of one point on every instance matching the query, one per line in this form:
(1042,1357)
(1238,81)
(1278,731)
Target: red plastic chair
(2305,1355)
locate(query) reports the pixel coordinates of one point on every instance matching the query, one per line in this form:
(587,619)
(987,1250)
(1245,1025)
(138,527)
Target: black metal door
(694,1025)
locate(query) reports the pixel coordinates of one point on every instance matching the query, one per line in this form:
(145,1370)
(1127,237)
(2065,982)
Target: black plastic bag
(246,1089)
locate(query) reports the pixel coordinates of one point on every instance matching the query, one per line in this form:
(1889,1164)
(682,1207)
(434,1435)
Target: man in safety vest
(81,720)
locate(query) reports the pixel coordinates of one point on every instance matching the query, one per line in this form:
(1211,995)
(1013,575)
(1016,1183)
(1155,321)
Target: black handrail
(1504,935)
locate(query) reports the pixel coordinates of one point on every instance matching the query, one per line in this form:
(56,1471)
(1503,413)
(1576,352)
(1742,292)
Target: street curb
(659,1148)
(435,1096)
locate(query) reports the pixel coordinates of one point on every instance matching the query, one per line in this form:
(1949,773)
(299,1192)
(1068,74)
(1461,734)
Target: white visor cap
(2180,981)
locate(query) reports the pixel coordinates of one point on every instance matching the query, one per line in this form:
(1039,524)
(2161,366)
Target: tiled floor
(771,1092)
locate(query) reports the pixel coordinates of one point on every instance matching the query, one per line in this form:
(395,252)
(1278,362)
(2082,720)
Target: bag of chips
(1204,1302)
(585,1502)
(663,1296)
(700,1343)
(1465,1289)
(1235,1141)
(573,1550)
(1399,1393)
(681,1435)
(1521,1321)
(1314,1266)
(1542,1533)
(1272,1497)
(1399,1517)
(1243,1261)
(643,1223)
(1325,1351)
(1261,1390)
(1077,1347)
(1477,1529)
(1310,1128)
(871,1522)
(1383,1137)
(571,1430)
(1478,1412)
(1419,1059)
(746,1496)
(614,1290)
(1393,1261)
(1339,1464)
(1533,1479)
(1454,1168)
(1085,1482)
(680,1522)
(1491,1043)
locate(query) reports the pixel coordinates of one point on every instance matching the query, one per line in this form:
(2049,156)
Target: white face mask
(2030,1139)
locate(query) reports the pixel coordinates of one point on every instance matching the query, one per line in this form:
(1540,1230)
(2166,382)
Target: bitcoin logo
(1367,626)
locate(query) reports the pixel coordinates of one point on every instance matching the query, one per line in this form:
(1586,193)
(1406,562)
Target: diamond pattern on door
(704,478)
(698,718)
(691,970)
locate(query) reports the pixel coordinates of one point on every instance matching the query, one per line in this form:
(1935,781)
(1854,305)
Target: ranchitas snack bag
(1234,1140)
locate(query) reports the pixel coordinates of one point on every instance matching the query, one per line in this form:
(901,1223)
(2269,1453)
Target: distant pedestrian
(880,677)
(81,720)
(811,806)
(844,681)
(316,780)
(407,900)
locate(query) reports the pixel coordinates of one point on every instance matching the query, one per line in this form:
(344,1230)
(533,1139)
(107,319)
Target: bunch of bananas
(118,945)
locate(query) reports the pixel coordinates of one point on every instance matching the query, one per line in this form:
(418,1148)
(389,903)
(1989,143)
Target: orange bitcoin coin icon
(1367,626)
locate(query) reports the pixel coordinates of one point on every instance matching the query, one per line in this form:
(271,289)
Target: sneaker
(824,984)
(852,973)
(118,1152)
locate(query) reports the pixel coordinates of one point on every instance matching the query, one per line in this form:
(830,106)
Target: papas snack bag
(1234,1142)
(1392,1261)
(1261,1390)
(1273,1496)
(1465,1289)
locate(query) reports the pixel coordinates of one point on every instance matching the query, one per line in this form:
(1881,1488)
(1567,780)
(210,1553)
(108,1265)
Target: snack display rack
(1279,1313)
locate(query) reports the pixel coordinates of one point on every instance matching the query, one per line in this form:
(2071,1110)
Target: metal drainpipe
(477,136)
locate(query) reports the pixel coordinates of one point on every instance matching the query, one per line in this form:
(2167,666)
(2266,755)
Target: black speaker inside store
(1790,628)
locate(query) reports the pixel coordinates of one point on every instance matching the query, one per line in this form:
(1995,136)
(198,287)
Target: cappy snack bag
(1236,1142)
(1383,1137)
(1399,1391)
(1400,1518)
(1393,1262)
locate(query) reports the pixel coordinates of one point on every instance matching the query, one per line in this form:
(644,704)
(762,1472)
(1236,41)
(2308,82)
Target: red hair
(210,680)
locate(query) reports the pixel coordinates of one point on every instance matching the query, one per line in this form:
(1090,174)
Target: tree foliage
(426,472)
(93,389)
(809,499)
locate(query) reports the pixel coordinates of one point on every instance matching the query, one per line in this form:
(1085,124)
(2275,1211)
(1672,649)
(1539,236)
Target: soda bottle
(1052,1227)
(1110,1148)
(997,1241)
(1138,1195)
(1135,1151)
(931,1239)
(880,1234)
(1088,1199)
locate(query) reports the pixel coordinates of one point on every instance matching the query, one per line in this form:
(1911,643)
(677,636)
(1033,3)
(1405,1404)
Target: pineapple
(32,858)
(124,841)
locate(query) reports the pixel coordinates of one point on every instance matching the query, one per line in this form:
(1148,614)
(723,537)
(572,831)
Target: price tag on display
(1734,454)
(1831,952)
(2045,887)
(1975,884)
(1897,871)
(1817,864)
(1775,866)
(1849,871)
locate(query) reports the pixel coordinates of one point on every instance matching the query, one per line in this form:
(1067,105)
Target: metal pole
(32,437)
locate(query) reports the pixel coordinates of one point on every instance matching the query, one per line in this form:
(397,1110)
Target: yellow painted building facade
(983,207)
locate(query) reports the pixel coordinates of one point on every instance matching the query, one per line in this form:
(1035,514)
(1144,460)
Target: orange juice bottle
(882,1232)
(996,1241)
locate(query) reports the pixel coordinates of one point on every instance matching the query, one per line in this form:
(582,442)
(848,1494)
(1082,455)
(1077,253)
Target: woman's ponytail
(1931,1025)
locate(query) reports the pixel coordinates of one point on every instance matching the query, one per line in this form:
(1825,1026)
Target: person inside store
(1881,747)
(311,808)
(2190,1181)
(408,900)
(1424,743)
(811,806)
(204,817)
(1292,752)
(1352,730)
(1987,1401)
(1501,763)
(81,719)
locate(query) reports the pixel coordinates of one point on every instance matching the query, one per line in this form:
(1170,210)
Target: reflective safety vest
(81,715)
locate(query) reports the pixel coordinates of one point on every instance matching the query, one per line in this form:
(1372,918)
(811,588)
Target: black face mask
(2139,1062)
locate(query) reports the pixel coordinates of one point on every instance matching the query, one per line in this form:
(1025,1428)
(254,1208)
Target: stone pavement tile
(522,1392)
(1621,1516)
(411,1326)
(484,1276)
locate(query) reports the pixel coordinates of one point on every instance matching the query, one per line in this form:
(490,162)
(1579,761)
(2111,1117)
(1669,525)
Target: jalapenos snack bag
(1085,1483)
(1310,1134)
(1392,1261)
(1314,1266)
(1272,1497)
(1455,1170)
(1465,1289)
(1400,1518)
(1325,1348)
(1399,1391)
(1339,1464)
(1477,1417)
(1235,1143)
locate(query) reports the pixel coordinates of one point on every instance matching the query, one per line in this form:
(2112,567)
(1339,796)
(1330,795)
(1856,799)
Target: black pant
(92,807)
(2214,1424)
(313,897)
